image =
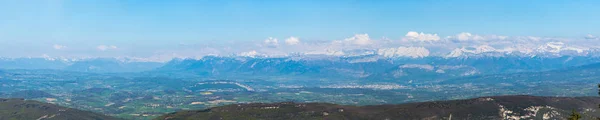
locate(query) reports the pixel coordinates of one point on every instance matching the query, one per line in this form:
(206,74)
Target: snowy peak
(455,53)
(471,50)
(557,47)
(328,52)
(550,48)
(413,52)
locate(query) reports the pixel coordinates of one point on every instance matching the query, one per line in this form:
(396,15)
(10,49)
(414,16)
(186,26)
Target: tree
(574,115)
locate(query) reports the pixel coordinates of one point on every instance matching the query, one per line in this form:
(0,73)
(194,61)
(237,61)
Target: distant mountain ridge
(371,67)
(483,108)
(101,65)
(305,63)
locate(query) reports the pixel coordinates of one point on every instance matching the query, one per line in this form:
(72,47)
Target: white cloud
(271,42)
(106,47)
(252,53)
(359,39)
(497,37)
(422,37)
(58,47)
(466,36)
(292,40)
(589,36)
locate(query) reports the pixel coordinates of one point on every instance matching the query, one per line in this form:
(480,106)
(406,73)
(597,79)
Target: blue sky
(33,27)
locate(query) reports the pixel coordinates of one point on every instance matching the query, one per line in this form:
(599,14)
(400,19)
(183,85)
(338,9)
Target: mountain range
(370,67)
(358,61)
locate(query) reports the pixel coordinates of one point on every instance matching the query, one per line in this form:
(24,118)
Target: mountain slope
(19,109)
(484,108)
(369,67)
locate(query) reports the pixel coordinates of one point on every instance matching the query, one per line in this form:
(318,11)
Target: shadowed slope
(19,109)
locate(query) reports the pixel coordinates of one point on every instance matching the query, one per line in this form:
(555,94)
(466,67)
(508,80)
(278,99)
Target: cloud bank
(413,44)
(292,41)
(358,39)
(58,47)
(106,47)
(589,36)
(271,42)
(421,37)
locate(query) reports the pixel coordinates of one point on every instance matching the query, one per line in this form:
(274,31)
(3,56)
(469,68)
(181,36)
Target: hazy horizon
(160,30)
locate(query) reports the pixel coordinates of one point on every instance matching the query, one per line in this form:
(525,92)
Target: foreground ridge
(483,108)
(20,109)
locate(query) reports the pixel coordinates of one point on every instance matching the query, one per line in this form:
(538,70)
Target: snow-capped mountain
(373,67)
(550,55)
(549,49)
(413,52)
